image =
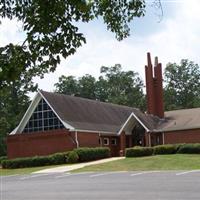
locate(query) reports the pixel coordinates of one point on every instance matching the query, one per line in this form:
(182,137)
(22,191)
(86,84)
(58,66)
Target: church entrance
(136,137)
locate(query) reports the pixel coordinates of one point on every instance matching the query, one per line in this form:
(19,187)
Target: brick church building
(56,123)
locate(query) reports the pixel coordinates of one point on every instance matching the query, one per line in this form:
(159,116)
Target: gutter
(76,139)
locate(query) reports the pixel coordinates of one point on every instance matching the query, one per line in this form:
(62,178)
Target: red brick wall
(88,139)
(114,149)
(187,136)
(122,143)
(146,139)
(40,143)
(48,142)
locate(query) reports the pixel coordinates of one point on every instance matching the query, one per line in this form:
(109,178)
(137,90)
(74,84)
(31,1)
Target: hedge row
(3,158)
(89,154)
(189,148)
(36,161)
(78,155)
(139,151)
(163,149)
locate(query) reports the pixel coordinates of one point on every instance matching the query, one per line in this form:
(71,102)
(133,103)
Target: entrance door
(138,138)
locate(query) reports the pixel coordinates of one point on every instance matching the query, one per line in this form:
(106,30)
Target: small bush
(58,158)
(139,151)
(3,158)
(189,148)
(89,154)
(72,157)
(165,149)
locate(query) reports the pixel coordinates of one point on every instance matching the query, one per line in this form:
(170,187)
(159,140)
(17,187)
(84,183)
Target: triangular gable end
(132,116)
(67,126)
(40,116)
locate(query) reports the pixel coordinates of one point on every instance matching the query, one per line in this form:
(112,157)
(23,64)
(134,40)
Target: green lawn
(159,162)
(6,172)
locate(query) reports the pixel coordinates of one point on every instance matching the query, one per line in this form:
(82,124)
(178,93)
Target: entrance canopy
(130,123)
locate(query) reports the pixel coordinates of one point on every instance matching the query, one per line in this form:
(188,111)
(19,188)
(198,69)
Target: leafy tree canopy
(14,101)
(114,85)
(51,30)
(182,88)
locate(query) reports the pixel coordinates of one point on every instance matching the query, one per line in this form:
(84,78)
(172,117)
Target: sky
(174,37)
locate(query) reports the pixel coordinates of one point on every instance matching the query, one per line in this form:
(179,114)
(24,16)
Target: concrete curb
(76,166)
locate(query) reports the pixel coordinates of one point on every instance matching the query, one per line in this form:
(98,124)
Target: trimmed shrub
(89,154)
(27,162)
(139,151)
(54,159)
(3,158)
(165,149)
(81,155)
(58,158)
(189,148)
(72,157)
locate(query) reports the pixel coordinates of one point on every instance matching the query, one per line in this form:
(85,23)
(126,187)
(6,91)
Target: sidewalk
(68,168)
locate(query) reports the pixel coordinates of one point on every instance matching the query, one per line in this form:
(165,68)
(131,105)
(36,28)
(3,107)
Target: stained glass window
(43,119)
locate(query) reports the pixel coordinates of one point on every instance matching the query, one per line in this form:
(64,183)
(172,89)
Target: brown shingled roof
(91,115)
(180,120)
(86,114)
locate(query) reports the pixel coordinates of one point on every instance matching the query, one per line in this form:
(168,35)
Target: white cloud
(176,37)
(11,32)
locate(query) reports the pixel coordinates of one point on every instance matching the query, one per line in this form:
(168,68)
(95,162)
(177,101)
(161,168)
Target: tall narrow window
(43,119)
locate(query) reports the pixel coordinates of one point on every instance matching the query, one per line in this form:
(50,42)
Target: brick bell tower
(154,87)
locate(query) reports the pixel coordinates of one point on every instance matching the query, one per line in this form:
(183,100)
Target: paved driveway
(155,185)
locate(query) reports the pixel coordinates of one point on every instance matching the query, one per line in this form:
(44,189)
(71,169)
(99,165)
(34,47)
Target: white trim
(140,122)
(92,131)
(124,124)
(27,115)
(76,138)
(30,111)
(14,131)
(163,137)
(67,126)
(115,141)
(132,115)
(178,129)
(106,139)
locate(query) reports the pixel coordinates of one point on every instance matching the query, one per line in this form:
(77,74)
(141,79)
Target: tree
(114,86)
(4,126)
(14,101)
(87,87)
(51,30)
(125,88)
(82,87)
(182,88)
(67,85)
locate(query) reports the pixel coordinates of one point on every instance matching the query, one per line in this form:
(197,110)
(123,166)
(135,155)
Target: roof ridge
(91,100)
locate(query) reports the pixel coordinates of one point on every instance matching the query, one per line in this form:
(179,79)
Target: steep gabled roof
(86,114)
(80,114)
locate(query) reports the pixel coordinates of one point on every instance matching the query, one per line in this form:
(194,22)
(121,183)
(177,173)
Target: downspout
(76,139)
(149,139)
(163,137)
(100,139)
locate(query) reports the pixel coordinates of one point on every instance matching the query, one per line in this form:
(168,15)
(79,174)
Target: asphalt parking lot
(140,185)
